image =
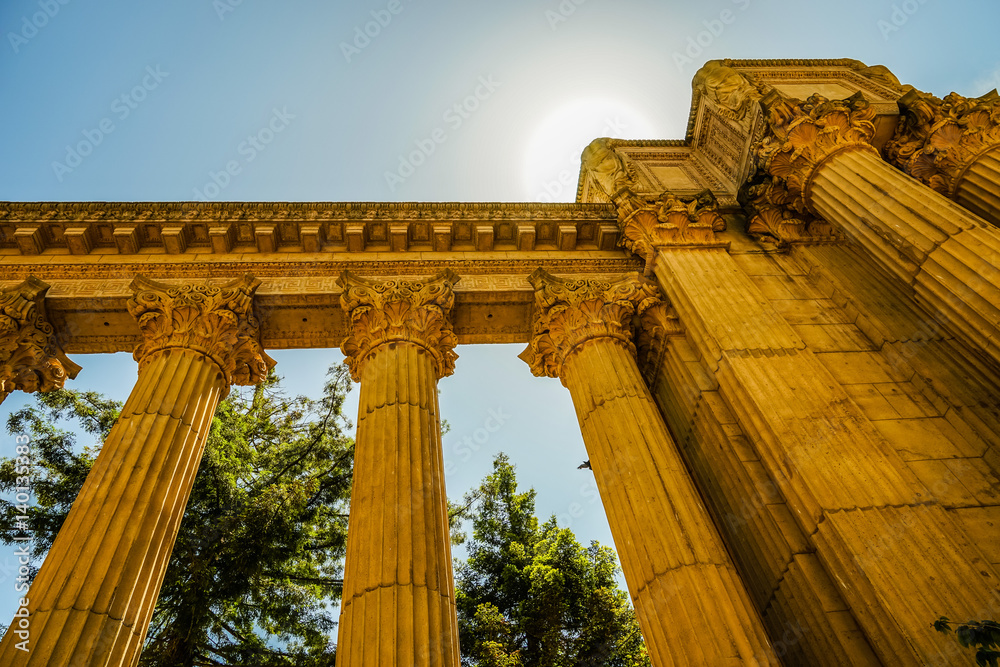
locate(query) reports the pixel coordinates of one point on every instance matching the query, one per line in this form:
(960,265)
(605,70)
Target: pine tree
(258,559)
(532,596)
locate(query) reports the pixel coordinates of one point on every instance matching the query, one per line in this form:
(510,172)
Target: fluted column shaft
(678,571)
(950,257)
(399,593)
(398,606)
(979,188)
(953,146)
(819,151)
(897,557)
(92,601)
(94,596)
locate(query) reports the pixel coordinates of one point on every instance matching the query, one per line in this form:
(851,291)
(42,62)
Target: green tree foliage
(984,636)
(257,562)
(532,596)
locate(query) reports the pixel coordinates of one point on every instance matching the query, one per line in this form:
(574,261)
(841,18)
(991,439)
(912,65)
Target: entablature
(727,123)
(89,252)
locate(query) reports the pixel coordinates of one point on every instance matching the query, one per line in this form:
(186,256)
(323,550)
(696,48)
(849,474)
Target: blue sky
(408,100)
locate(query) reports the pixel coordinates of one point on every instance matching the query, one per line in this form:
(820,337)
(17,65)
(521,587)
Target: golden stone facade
(781,335)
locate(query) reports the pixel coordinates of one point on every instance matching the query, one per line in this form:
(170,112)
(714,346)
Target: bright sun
(552,155)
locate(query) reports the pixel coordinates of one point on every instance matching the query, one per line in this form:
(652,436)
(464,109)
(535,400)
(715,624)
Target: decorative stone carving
(669,220)
(936,140)
(217,321)
(608,168)
(391,311)
(31,358)
(879,73)
(771,218)
(731,92)
(656,324)
(571,312)
(803,135)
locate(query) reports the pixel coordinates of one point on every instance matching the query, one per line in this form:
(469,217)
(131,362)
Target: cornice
(226,228)
(313,211)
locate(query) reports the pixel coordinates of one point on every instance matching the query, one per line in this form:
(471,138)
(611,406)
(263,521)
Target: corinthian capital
(394,311)
(936,140)
(771,216)
(571,312)
(670,220)
(31,358)
(215,320)
(802,135)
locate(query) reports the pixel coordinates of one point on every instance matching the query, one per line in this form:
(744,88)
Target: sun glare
(552,154)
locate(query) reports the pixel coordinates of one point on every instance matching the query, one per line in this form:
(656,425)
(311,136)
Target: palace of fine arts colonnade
(781,336)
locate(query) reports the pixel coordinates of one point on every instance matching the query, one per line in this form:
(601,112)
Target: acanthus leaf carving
(570,312)
(771,216)
(216,320)
(937,140)
(670,220)
(657,323)
(398,310)
(802,135)
(31,358)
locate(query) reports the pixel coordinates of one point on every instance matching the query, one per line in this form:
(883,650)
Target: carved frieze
(936,140)
(31,358)
(570,312)
(216,320)
(391,311)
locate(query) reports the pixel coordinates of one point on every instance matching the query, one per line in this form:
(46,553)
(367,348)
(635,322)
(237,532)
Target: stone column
(819,151)
(398,606)
(93,598)
(31,358)
(691,604)
(953,146)
(895,555)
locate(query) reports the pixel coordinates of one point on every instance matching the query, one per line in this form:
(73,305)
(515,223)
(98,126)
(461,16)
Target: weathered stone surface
(31,358)
(837,367)
(952,145)
(398,604)
(676,567)
(93,598)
